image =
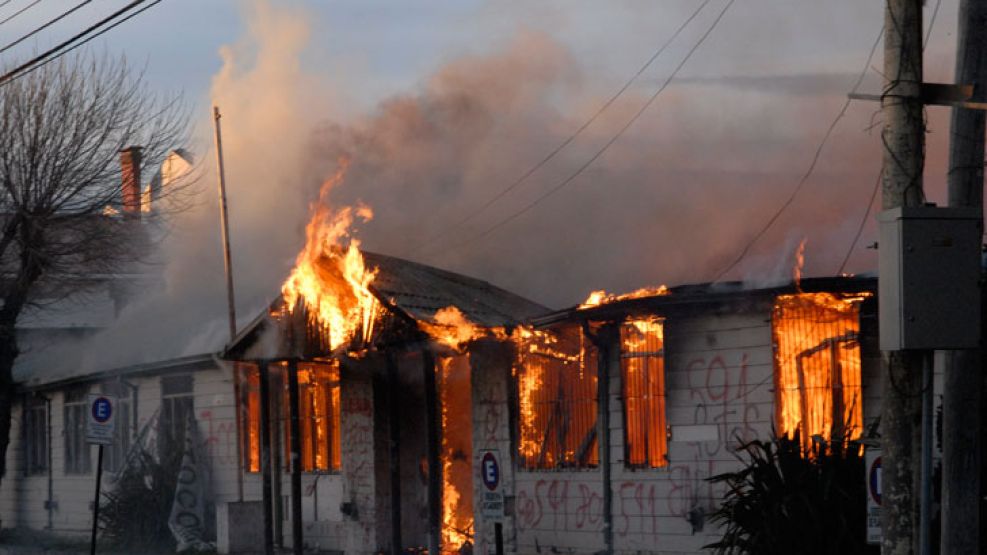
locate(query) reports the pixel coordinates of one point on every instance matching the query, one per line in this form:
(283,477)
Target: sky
(438,106)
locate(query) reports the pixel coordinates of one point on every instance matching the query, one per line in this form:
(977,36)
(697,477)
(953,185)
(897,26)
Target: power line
(66,46)
(45,26)
(880,175)
(4,3)
(812,166)
(20,11)
(570,138)
(863,222)
(607,145)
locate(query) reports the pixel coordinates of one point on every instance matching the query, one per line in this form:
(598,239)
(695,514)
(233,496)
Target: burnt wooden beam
(265,457)
(295,437)
(394,460)
(432,415)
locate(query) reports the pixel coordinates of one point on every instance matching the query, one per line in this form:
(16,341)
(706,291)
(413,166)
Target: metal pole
(265,457)
(903,138)
(925,511)
(51,488)
(99,478)
(230,297)
(295,437)
(434,464)
(499,538)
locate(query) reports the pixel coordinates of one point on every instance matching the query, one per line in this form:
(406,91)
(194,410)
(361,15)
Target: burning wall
(455,396)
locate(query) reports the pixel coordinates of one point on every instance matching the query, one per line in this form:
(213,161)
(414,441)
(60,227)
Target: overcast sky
(479,91)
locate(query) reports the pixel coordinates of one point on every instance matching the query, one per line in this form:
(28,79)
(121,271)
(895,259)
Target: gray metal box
(929,273)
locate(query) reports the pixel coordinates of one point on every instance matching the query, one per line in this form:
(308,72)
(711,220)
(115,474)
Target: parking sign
(100,419)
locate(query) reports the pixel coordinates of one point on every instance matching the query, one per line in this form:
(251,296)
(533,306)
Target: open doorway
(456,453)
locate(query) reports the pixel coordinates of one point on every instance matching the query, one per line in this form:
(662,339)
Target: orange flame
(330,277)
(600,296)
(457,443)
(799,265)
(817,357)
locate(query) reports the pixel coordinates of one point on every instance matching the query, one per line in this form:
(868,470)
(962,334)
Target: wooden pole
(434,445)
(230,297)
(296,459)
(963,379)
(901,371)
(394,432)
(265,456)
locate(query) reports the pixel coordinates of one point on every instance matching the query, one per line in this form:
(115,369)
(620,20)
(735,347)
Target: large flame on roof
(330,278)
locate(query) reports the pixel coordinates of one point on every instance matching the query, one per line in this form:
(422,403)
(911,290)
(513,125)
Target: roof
(416,292)
(693,295)
(420,291)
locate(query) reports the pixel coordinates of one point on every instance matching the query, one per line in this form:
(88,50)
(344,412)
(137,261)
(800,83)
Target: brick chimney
(130,172)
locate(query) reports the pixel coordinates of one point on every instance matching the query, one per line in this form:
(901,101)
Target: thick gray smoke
(672,201)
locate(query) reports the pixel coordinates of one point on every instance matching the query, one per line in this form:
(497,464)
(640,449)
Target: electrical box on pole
(929,272)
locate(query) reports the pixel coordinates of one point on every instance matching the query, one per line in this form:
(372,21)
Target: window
(318,416)
(176,410)
(318,413)
(115,455)
(817,366)
(642,366)
(557,401)
(35,435)
(76,448)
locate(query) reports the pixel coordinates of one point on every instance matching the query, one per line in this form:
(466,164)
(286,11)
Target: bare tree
(62,129)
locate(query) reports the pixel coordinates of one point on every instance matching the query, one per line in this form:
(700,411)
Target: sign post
(492,503)
(872,460)
(100,425)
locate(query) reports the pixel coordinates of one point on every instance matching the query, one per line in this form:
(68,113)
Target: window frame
(564,349)
(35,428)
(78,455)
(177,405)
(248,410)
(654,427)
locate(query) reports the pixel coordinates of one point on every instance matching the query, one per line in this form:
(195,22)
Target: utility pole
(964,383)
(901,371)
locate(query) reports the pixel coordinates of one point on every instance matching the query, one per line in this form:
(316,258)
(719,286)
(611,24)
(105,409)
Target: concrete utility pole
(901,371)
(963,379)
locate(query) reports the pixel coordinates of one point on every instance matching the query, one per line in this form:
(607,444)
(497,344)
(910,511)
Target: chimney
(130,172)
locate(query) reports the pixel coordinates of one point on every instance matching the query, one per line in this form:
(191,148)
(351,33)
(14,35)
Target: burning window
(817,366)
(642,364)
(453,386)
(318,412)
(557,400)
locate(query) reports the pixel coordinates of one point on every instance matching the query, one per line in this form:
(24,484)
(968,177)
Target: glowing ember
(600,296)
(457,447)
(329,275)
(817,357)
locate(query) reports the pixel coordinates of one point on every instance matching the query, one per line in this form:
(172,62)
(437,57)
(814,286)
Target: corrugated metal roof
(420,291)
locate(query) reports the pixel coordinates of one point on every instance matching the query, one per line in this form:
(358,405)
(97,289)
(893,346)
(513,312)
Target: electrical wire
(569,139)
(5,2)
(66,46)
(20,11)
(606,145)
(45,26)
(863,222)
(812,166)
(880,175)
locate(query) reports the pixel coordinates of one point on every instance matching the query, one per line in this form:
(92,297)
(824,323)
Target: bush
(785,501)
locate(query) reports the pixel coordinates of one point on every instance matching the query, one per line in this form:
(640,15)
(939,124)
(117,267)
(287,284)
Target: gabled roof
(420,291)
(416,292)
